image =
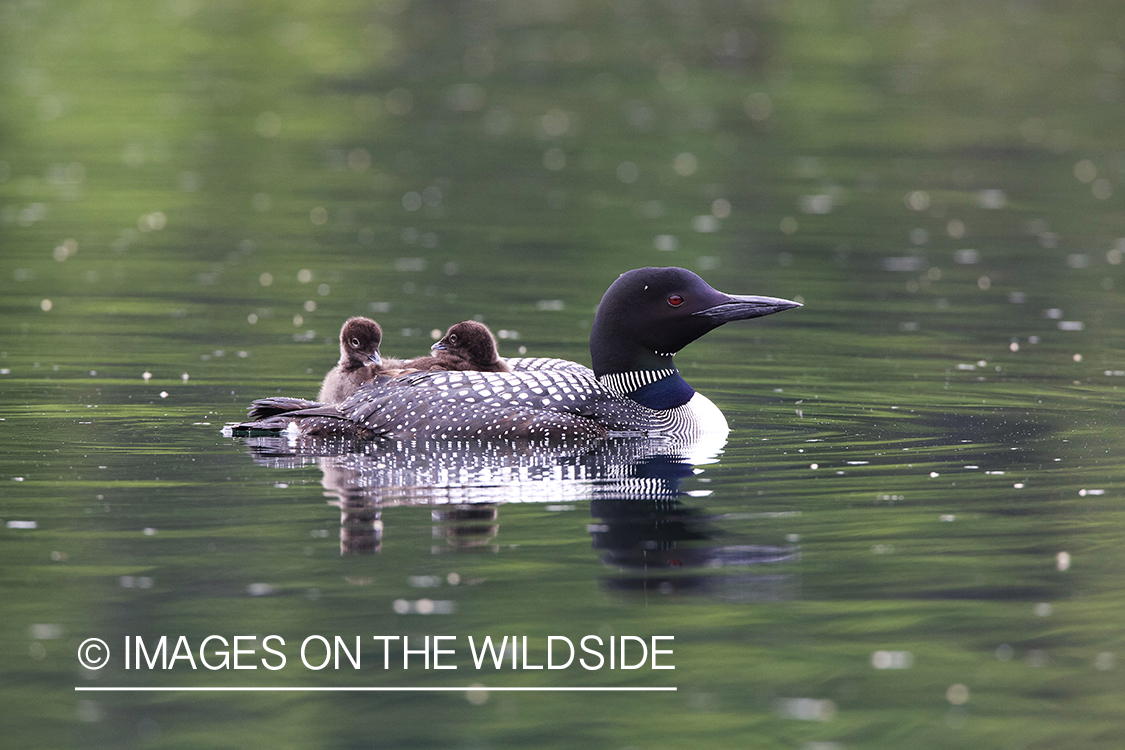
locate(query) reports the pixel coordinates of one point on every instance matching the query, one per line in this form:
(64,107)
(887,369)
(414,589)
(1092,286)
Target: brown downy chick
(359,360)
(468,345)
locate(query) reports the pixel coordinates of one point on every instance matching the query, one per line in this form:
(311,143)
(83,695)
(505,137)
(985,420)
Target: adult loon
(644,318)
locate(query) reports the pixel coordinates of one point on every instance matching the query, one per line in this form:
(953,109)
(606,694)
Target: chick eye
(355,343)
(675,300)
(453,338)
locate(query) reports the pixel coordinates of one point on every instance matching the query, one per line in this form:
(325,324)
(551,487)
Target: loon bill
(644,318)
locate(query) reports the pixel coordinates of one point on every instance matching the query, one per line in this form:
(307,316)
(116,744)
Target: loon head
(359,343)
(649,314)
(470,341)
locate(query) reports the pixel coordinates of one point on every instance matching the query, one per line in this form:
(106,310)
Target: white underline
(464,689)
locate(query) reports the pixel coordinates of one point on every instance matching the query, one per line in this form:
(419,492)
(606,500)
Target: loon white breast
(644,318)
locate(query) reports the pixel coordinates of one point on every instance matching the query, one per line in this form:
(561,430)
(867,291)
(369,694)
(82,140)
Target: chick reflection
(461,527)
(361,527)
(466,528)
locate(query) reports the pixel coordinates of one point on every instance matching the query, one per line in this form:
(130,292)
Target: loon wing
(469,404)
(534,364)
(462,405)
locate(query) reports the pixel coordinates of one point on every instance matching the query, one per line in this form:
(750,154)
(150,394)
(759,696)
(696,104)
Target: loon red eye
(675,300)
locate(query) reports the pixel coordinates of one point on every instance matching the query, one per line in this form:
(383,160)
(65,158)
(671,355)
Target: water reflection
(644,527)
(665,546)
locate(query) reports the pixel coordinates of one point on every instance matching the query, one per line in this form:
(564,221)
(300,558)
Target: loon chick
(644,318)
(359,360)
(468,345)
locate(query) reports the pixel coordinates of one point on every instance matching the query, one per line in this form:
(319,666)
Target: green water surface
(913,537)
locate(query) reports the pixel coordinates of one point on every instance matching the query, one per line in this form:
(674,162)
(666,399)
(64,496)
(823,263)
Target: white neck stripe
(624,383)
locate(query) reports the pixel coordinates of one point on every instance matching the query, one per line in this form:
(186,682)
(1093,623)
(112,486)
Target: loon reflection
(659,545)
(644,526)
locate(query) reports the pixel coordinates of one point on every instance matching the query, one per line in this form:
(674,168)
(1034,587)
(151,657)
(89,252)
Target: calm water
(913,536)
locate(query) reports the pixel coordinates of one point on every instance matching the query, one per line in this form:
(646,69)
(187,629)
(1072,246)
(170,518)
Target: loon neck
(656,389)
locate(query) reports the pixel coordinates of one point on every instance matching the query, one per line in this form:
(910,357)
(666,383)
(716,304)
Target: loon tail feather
(273,415)
(267,426)
(264,408)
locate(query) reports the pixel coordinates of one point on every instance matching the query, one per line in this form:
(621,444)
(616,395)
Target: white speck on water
(892,660)
(705,224)
(992,199)
(807,709)
(957,695)
(45,631)
(815,204)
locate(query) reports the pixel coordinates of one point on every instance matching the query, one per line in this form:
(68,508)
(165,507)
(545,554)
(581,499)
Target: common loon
(468,345)
(359,360)
(644,318)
